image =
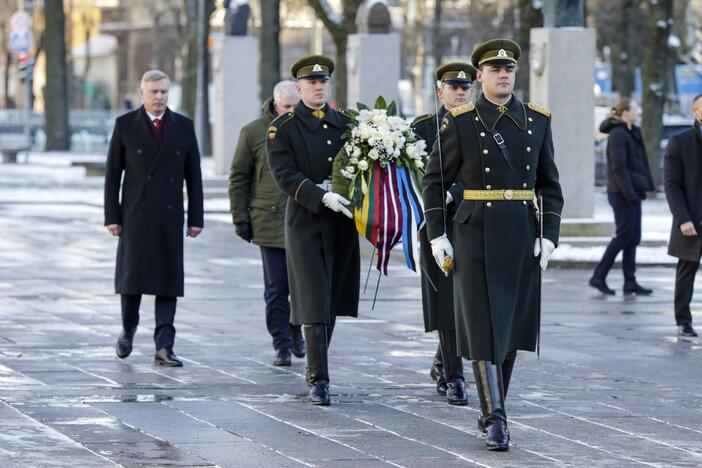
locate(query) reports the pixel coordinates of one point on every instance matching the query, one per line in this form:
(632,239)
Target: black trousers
(276,293)
(164,333)
(684,286)
(627,217)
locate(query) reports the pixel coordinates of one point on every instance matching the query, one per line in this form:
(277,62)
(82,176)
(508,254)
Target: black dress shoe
(456,392)
(166,357)
(686,330)
(124,343)
(299,349)
(437,375)
(636,288)
(282,357)
(601,286)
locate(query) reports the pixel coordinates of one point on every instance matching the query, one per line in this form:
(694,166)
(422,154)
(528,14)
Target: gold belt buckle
(508,194)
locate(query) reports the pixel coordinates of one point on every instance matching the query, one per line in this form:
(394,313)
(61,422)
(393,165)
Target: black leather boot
(488,379)
(507,366)
(453,368)
(124,343)
(282,357)
(437,372)
(330,330)
(298,342)
(316,337)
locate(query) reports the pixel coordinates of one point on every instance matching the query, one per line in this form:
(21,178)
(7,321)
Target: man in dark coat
(683,190)
(258,212)
(501,151)
(455,80)
(321,243)
(156,150)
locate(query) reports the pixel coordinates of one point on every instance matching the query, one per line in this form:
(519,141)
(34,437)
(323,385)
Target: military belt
(502,194)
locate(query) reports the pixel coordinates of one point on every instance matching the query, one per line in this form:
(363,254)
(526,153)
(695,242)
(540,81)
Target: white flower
(353,160)
(363,165)
(379,117)
(388,142)
(364,131)
(421,146)
(373,154)
(356,152)
(419,163)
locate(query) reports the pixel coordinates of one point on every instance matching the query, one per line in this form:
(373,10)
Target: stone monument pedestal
(373,67)
(562,62)
(236,89)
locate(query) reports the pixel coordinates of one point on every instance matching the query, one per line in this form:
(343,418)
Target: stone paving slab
(613,385)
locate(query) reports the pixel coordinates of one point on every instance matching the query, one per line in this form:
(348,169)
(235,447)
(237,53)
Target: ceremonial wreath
(379,170)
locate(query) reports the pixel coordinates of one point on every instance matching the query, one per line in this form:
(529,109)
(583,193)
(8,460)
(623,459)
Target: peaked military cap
(456,73)
(317,66)
(502,51)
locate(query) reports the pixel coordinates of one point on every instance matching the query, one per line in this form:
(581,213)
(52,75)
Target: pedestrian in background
(628,180)
(683,190)
(258,212)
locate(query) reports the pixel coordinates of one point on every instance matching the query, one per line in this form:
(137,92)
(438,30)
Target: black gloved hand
(243,230)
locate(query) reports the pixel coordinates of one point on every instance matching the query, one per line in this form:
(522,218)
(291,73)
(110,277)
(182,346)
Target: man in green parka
(258,212)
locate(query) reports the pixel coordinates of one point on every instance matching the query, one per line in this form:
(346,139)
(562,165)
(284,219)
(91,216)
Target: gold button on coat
(487,169)
(485,151)
(489,204)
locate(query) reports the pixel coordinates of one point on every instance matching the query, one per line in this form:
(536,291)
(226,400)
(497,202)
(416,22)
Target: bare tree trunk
(437,50)
(269,67)
(339,30)
(623,59)
(529,18)
(189,81)
(56,90)
(206,137)
(658,26)
(6,80)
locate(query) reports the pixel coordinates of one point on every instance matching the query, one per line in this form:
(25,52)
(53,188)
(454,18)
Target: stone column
(236,90)
(562,62)
(373,68)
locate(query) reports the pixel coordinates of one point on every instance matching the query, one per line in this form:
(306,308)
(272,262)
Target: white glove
(440,249)
(449,198)
(549,247)
(336,202)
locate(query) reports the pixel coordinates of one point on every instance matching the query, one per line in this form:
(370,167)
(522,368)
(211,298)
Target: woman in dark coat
(628,180)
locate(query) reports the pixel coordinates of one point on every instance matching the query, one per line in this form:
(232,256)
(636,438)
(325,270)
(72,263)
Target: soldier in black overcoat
(501,151)
(321,242)
(155,150)
(455,80)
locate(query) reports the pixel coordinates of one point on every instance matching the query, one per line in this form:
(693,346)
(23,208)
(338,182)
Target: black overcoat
(496,276)
(437,288)
(321,246)
(150,210)
(683,189)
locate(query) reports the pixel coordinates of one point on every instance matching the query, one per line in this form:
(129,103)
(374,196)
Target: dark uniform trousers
(276,292)
(684,286)
(164,333)
(627,217)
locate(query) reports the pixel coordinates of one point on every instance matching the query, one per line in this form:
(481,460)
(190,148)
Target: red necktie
(159,129)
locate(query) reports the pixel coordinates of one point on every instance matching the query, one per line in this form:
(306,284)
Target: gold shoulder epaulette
(277,123)
(539,109)
(456,111)
(420,119)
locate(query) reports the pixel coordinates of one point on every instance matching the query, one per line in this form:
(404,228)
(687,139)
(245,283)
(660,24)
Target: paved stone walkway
(614,386)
